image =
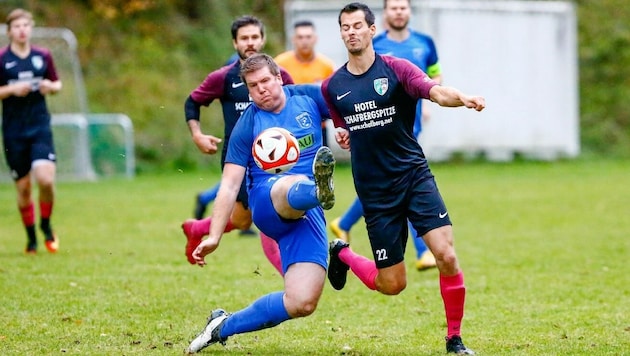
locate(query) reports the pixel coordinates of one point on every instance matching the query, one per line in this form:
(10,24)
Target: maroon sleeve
(334,114)
(51,71)
(286,77)
(212,87)
(416,82)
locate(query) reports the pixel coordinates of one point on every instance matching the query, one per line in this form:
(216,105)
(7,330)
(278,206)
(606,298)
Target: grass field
(544,247)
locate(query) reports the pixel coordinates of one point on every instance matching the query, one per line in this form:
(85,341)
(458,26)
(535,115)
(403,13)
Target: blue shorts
(301,240)
(421,204)
(21,152)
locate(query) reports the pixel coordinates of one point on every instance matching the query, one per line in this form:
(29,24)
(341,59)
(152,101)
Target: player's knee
(302,308)
(392,286)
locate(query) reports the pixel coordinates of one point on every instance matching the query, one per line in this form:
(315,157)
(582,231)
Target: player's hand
(205,248)
(207,144)
(47,87)
(342,136)
(475,102)
(21,89)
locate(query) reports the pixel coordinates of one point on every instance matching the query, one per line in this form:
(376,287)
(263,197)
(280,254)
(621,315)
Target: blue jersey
(378,109)
(22,116)
(226,85)
(302,116)
(419,49)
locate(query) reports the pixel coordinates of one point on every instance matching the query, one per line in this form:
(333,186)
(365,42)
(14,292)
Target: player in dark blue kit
(286,206)
(372,101)
(399,40)
(27,75)
(225,84)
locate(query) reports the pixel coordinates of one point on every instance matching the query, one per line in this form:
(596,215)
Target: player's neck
(398,35)
(304,57)
(22,50)
(359,63)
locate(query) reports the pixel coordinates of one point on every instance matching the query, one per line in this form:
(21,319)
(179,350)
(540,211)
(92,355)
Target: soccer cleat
(337,270)
(31,248)
(338,231)
(52,242)
(426,261)
(454,345)
(247,233)
(192,241)
(323,169)
(200,208)
(211,333)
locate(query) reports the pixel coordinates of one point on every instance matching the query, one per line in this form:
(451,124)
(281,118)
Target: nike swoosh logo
(236,85)
(10,65)
(339,97)
(442,216)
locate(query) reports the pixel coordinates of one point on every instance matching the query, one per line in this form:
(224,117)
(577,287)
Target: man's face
(355,32)
(397,14)
(265,89)
(20,30)
(249,40)
(304,39)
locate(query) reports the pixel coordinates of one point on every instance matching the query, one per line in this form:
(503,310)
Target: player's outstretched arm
(223,205)
(205,143)
(451,97)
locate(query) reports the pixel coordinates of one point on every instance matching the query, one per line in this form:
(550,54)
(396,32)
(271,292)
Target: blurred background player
(225,84)
(27,75)
(399,40)
(305,65)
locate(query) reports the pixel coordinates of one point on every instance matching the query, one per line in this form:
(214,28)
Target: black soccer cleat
(455,345)
(337,270)
(200,208)
(211,333)
(323,169)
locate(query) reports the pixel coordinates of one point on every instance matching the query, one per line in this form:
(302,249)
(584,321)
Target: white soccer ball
(275,150)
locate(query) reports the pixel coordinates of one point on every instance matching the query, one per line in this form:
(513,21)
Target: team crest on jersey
(381,85)
(38,62)
(304,120)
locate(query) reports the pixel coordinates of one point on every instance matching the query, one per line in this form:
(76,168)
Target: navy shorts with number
(301,240)
(421,203)
(20,152)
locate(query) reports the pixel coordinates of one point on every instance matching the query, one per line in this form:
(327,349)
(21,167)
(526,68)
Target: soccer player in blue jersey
(27,75)
(400,41)
(372,101)
(225,85)
(287,206)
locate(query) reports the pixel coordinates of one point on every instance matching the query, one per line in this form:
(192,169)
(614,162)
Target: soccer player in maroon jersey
(27,75)
(372,101)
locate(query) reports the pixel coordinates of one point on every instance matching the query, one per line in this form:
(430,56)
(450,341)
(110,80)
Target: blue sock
(209,195)
(303,195)
(417,241)
(352,215)
(266,312)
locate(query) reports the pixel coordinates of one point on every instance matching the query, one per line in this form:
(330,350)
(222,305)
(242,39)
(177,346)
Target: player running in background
(372,101)
(285,206)
(305,65)
(27,75)
(224,84)
(399,40)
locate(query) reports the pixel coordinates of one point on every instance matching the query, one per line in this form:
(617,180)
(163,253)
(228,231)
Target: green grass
(544,247)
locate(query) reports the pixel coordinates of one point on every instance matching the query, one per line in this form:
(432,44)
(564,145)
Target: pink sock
(362,267)
(272,251)
(453,294)
(202,227)
(28,215)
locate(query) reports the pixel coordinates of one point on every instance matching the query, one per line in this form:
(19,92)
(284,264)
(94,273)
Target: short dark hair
(256,62)
(357,6)
(303,23)
(245,21)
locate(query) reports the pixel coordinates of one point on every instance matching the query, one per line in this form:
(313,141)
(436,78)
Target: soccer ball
(275,150)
